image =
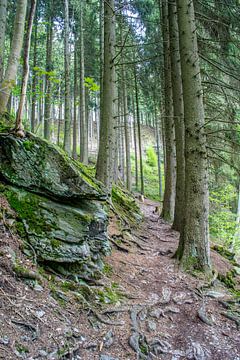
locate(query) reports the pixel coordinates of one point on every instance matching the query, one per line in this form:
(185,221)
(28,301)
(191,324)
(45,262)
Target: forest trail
(158,313)
(168,300)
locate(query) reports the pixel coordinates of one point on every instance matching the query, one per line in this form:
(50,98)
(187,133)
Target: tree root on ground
(232,317)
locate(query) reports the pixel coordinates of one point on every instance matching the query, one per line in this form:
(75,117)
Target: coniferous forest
(119,179)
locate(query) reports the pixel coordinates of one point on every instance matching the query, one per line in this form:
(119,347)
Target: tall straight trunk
(236,237)
(59,115)
(158,152)
(135,142)
(195,251)
(67,127)
(104,170)
(83,115)
(3,19)
(126,131)
(34,80)
(139,132)
(18,124)
(49,67)
(178,116)
(9,78)
(170,172)
(75,122)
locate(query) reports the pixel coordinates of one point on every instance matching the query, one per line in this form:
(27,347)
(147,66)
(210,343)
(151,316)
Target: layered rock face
(59,205)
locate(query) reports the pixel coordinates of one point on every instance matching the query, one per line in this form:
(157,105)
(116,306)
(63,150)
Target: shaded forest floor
(159,312)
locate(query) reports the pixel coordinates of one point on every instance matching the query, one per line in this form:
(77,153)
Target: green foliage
(151,157)
(91,85)
(110,295)
(222,220)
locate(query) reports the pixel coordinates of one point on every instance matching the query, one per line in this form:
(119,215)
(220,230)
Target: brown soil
(160,302)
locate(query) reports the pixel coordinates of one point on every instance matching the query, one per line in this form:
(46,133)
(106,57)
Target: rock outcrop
(59,206)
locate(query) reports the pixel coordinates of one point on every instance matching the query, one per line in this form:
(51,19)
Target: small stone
(4,340)
(151,325)
(40,313)
(157,313)
(43,353)
(108,339)
(107,357)
(38,287)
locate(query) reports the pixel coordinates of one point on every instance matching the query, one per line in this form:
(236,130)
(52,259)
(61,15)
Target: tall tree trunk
(126,131)
(139,131)
(135,142)
(170,173)
(49,67)
(67,127)
(83,117)
(158,152)
(18,124)
(34,80)
(195,251)
(15,52)
(104,170)
(3,19)
(75,122)
(178,116)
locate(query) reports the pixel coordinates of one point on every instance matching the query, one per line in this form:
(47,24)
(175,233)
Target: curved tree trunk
(3,19)
(14,57)
(18,125)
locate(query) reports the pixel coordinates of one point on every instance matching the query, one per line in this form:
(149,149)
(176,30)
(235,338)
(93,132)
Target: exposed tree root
(232,317)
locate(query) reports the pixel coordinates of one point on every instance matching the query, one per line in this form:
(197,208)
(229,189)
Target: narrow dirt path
(160,317)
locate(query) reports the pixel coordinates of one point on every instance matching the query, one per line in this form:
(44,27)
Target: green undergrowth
(125,205)
(150,174)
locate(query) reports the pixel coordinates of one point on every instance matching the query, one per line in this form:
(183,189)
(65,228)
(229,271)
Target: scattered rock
(151,326)
(107,357)
(4,340)
(108,339)
(157,313)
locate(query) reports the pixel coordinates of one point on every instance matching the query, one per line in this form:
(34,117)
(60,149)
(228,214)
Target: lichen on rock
(59,205)
(41,167)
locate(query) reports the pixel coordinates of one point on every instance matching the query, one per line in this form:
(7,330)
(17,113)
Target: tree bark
(75,122)
(18,124)
(178,116)
(34,80)
(104,169)
(195,252)
(139,131)
(3,19)
(15,52)
(170,171)
(135,142)
(67,127)
(83,115)
(49,67)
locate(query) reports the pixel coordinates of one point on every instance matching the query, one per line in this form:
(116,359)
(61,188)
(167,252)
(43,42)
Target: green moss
(26,206)
(22,349)
(228,279)
(55,243)
(125,205)
(107,269)
(28,144)
(110,295)
(2,187)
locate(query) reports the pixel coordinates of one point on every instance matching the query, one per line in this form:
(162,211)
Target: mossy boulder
(43,168)
(60,233)
(59,206)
